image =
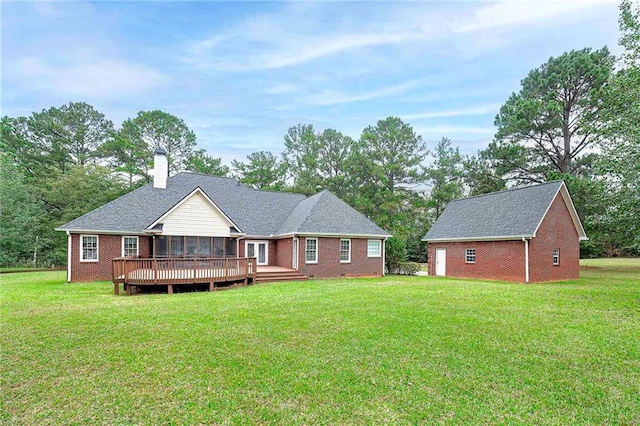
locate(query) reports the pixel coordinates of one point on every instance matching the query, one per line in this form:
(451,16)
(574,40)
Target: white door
(441,262)
(259,250)
(294,254)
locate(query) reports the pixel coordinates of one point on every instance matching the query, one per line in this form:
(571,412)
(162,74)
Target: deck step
(273,276)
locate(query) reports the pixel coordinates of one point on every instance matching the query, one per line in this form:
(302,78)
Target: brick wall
(109,247)
(556,232)
(495,260)
(329,259)
(283,252)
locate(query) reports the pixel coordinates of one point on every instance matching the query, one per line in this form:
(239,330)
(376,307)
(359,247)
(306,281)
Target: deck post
(155,270)
(116,288)
(195,270)
(170,288)
(128,288)
(210,285)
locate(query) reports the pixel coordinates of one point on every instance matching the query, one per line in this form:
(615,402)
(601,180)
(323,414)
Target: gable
(569,209)
(195,215)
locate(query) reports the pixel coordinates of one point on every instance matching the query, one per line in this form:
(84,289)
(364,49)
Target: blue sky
(241,73)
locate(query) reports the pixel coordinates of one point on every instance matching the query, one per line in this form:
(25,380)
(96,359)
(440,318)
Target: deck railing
(136,271)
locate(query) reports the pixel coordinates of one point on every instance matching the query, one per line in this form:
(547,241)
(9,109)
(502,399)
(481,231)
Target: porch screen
(230,248)
(204,249)
(218,247)
(178,246)
(192,246)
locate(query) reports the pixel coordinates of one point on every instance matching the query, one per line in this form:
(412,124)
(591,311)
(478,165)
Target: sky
(240,74)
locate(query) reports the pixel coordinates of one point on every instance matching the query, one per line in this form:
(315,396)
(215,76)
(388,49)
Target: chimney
(160,168)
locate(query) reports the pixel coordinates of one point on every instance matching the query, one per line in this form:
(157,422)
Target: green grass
(612,263)
(398,350)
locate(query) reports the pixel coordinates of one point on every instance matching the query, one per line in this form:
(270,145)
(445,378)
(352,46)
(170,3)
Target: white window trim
(97,249)
(306,243)
(379,248)
(553,253)
(340,250)
(256,242)
(466,256)
(137,244)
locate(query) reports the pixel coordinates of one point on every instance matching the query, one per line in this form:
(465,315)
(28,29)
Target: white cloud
(517,13)
(103,78)
(478,110)
(275,41)
(334,97)
(448,131)
(279,89)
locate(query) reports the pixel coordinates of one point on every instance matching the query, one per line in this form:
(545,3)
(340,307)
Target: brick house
(189,222)
(529,234)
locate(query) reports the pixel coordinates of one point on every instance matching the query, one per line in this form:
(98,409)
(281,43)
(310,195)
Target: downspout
(295,239)
(384,254)
(238,246)
(68,257)
(526,260)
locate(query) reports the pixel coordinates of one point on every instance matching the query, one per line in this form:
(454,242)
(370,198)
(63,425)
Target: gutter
(468,239)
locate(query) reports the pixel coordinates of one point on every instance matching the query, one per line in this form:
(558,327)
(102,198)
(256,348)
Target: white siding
(196,216)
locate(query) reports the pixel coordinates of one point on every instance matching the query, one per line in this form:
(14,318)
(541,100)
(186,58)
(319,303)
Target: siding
(196,216)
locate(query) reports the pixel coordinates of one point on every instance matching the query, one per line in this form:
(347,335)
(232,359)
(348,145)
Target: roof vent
(160,168)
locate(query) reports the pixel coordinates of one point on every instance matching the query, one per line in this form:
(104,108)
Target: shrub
(408,268)
(395,253)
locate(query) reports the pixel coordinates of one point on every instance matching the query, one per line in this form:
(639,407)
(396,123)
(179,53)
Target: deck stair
(273,274)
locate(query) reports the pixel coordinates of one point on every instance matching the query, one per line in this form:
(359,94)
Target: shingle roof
(258,213)
(514,213)
(324,213)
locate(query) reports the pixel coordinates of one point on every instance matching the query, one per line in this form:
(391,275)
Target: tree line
(576,117)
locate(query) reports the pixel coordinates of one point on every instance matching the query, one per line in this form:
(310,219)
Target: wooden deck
(176,272)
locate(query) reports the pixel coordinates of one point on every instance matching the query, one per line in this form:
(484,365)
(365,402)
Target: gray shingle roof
(513,213)
(324,213)
(258,213)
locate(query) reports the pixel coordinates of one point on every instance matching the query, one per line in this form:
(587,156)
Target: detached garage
(529,234)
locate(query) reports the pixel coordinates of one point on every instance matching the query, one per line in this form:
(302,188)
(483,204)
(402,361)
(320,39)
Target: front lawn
(395,350)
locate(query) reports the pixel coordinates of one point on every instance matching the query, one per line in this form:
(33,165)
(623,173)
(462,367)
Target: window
(129,246)
(470,255)
(373,248)
(88,248)
(311,250)
(556,256)
(345,251)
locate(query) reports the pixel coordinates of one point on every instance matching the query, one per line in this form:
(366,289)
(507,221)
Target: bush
(408,268)
(395,253)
